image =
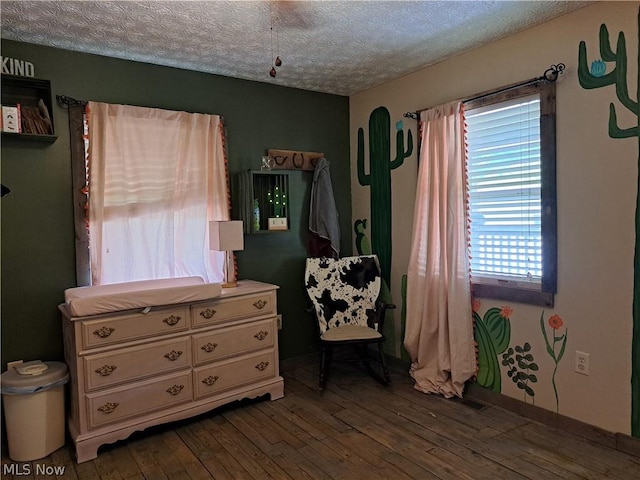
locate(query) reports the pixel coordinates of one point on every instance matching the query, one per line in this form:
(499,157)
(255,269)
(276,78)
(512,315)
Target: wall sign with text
(21,68)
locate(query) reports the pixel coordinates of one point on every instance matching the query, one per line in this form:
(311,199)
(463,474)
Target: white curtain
(439,329)
(156,178)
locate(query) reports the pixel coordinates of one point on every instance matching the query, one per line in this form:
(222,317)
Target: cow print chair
(344,293)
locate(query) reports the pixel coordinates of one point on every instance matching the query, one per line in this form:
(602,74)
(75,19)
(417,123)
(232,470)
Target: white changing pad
(85,301)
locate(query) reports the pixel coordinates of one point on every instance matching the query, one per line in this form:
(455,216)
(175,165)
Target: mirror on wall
(264,201)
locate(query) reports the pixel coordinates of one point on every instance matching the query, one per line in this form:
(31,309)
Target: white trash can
(33,398)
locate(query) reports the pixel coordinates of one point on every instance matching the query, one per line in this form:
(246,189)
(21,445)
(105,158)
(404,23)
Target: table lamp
(227,236)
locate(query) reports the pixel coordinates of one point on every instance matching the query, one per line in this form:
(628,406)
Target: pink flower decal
(555,322)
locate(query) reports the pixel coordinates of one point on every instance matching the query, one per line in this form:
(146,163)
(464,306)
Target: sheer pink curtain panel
(156,179)
(439,328)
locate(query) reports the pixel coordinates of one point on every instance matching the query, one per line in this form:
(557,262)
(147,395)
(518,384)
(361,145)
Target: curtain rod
(67,102)
(550,75)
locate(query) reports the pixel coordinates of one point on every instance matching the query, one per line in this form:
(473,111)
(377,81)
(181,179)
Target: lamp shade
(226,236)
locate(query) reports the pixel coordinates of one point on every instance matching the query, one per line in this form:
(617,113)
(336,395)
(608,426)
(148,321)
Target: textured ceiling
(339,47)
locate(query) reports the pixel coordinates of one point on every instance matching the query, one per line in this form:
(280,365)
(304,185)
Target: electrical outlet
(582,363)
(279,321)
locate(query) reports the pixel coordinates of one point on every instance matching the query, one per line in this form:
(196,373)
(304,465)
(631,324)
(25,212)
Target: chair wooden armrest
(380,314)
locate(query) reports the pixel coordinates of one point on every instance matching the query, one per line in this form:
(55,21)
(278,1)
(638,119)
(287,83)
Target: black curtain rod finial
(552,73)
(66,102)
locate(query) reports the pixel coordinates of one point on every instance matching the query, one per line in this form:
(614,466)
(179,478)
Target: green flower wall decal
(556,323)
(520,369)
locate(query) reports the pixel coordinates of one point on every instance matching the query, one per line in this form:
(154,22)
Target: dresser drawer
(212,379)
(234,308)
(106,369)
(121,328)
(233,341)
(128,401)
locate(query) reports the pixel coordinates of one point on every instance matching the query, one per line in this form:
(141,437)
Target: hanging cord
(277,61)
(272,72)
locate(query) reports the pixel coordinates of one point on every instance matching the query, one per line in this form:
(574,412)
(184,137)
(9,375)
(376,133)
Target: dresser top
(247,287)
(244,287)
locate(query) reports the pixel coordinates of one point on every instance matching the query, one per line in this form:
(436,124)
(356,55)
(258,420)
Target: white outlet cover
(582,363)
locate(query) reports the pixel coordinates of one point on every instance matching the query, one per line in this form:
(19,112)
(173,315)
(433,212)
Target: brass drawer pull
(261,335)
(260,304)
(105,370)
(175,390)
(207,313)
(210,380)
(262,366)
(209,347)
(104,332)
(172,320)
(173,355)
(108,407)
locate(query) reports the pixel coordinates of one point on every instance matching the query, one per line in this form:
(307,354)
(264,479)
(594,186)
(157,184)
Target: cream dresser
(136,368)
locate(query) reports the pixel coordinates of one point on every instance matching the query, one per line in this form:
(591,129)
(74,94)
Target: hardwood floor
(356,429)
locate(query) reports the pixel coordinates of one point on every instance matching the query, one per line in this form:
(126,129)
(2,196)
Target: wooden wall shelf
(28,92)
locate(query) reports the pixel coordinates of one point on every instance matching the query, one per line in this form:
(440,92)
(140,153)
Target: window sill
(512,294)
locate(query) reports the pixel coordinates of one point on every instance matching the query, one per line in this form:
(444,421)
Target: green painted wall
(37,239)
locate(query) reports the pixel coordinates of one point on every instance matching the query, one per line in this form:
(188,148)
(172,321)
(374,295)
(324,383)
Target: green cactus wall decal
(618,77)
(379,179)
(492,334)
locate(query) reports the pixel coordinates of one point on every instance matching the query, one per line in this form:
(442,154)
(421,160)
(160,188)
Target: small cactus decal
(379,179)
(492,335)
(362,241)
(618,77)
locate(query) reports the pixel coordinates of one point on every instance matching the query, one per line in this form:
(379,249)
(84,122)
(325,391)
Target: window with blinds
(508,146)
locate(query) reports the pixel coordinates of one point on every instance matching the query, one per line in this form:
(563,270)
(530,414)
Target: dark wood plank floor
(356,429)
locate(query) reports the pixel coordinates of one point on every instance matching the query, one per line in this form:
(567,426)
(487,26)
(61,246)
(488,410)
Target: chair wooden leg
(383,364)
(325,360)
(363,352)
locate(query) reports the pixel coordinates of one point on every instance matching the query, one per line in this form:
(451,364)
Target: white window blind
(504,168)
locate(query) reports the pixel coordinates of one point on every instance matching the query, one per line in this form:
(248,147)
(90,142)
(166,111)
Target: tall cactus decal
(379,179)
(618,77)
(492,335)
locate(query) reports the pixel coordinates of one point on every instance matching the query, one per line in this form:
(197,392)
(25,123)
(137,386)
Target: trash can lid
(32,377)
